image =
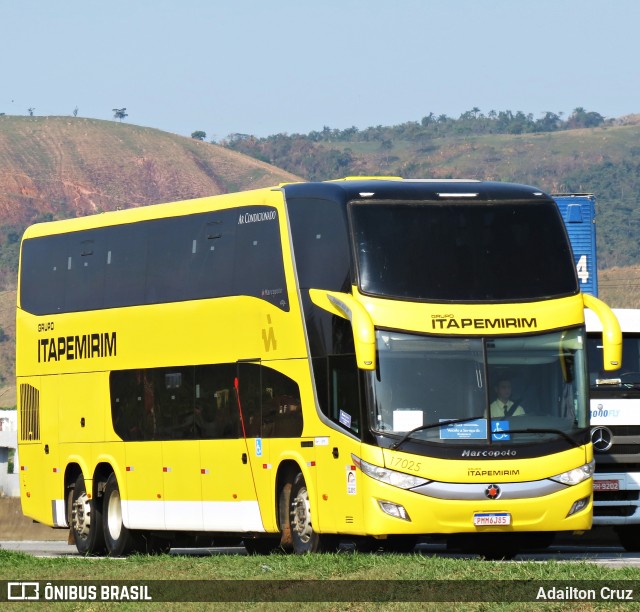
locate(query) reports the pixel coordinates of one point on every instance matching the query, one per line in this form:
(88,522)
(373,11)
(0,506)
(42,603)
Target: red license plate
(606,485)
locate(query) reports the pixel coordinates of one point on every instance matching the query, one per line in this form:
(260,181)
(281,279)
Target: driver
(503,406)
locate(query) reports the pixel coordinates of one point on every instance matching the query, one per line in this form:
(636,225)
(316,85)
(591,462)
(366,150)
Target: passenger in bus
(503,405)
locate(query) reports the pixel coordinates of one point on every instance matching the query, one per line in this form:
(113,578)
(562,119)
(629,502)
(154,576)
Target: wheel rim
(114,515)
(81,515)
(301,516)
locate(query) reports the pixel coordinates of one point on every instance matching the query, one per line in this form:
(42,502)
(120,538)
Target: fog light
(581,504)
(394,510)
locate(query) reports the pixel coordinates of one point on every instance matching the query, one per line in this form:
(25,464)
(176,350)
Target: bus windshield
(461,251)
(534,382)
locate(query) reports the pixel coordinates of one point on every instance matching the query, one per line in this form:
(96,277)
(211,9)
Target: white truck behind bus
(615,430)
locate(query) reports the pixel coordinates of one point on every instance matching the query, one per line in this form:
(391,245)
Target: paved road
(609,555)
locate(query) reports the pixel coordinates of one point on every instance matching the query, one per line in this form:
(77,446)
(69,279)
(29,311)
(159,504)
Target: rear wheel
(85,519)
(119,540)
(303,538)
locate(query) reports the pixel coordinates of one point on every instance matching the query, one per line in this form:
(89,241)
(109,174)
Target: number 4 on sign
(581,268)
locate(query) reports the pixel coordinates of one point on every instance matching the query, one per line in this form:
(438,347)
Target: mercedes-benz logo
(602,439)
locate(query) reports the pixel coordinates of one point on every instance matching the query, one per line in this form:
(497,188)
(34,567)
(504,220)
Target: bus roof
(344,190)
(408,189)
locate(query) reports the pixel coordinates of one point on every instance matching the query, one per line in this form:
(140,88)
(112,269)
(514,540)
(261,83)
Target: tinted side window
(85,271)
(126,263)
(175,403)
(338,387)
(42,278)
(259,269)
(271,404)
(230,252)
(321,243)
(210,270)
(187,402)
(216,406)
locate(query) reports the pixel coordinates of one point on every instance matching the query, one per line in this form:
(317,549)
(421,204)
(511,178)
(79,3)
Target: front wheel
(119,540)
(303,538)
(85,519)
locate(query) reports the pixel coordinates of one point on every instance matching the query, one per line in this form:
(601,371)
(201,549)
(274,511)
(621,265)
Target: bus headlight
(397,479)
(576,475)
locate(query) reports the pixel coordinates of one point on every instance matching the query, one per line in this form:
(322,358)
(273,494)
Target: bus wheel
(119,540)
(85,520)
(303,538)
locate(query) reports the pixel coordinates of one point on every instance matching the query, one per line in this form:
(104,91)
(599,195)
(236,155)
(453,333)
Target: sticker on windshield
(500,431)
(470,430)
(345,418)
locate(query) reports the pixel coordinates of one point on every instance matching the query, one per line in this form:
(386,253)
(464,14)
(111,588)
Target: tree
(580,118)
(75,111)
(198,135)
(120,113)
(31,111)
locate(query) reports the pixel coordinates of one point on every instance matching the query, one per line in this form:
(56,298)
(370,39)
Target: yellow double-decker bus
(307,363)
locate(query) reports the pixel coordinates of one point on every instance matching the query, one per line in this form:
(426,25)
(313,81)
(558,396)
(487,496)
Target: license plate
(606,485)
(492,518)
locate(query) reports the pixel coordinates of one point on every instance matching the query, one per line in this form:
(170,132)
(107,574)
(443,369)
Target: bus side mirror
(611,333)
(346,306)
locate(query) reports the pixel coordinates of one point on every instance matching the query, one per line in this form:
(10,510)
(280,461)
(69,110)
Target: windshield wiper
(561,433)
(446,423)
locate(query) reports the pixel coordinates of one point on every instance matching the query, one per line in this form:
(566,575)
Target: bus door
(250,389)
(229,500)
(338,384)
(175,401)
(272,414)
(134,417)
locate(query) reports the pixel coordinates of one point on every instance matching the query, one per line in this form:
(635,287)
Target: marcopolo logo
(257,217)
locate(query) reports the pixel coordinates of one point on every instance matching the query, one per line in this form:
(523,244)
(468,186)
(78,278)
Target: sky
(265,67)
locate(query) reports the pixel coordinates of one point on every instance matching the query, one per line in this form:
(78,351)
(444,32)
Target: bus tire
(119,540)
(303,538)
(85,520)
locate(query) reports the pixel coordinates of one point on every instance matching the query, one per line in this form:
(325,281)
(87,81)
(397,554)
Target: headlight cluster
(576,475)
(397,479)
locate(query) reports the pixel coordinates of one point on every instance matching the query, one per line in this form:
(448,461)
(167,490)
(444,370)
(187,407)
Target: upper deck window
(229,252)
(462,251)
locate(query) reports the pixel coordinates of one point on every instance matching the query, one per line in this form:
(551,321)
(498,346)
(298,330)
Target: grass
(281,576)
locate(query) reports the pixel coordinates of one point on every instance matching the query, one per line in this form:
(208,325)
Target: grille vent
(29,413)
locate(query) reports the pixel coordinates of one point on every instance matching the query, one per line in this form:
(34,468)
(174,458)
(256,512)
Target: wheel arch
(101,474)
